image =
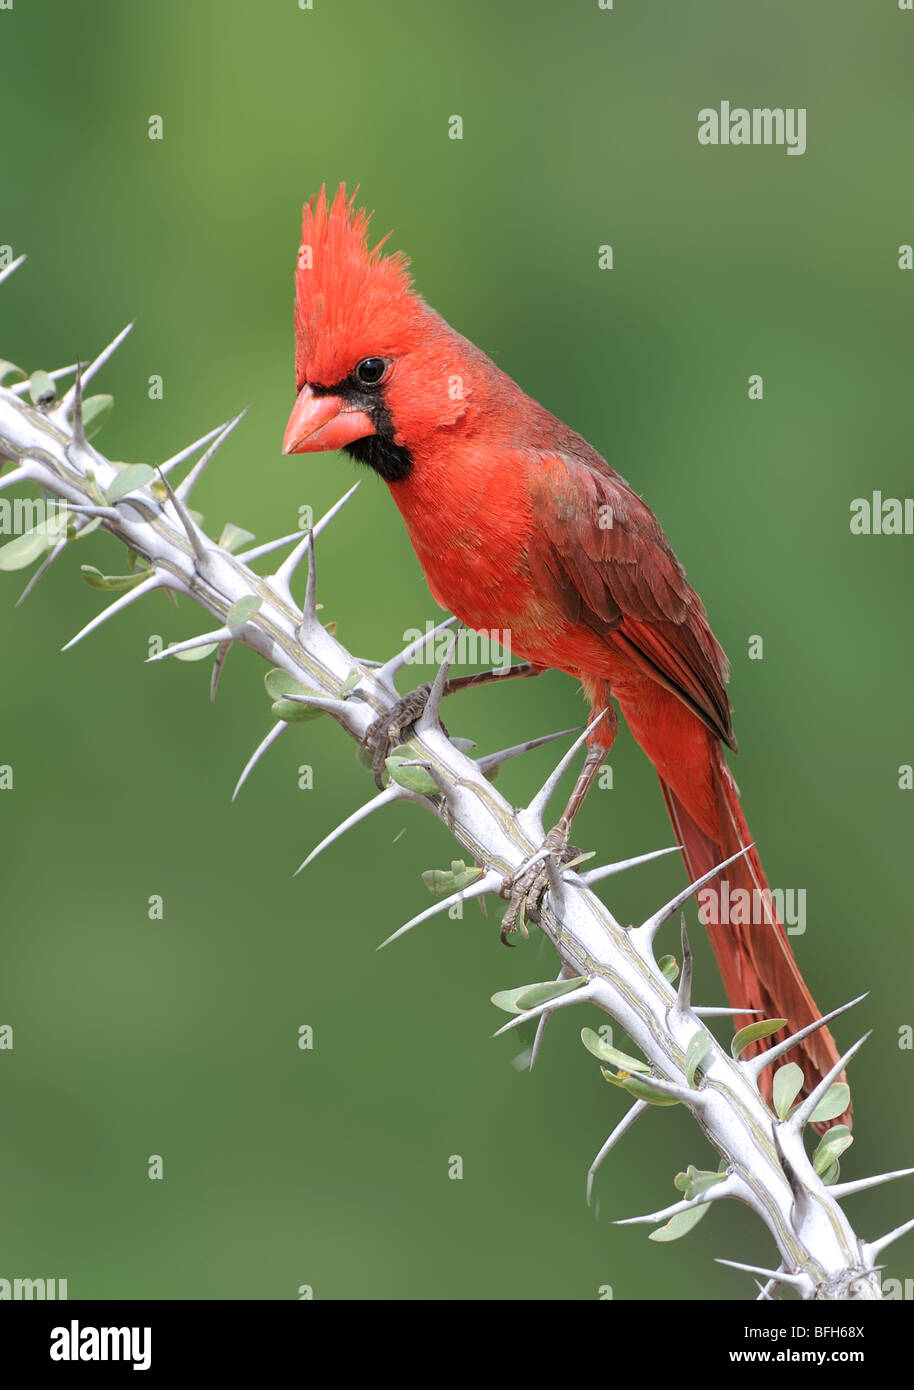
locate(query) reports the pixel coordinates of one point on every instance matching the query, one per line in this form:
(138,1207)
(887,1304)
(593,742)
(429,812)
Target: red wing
(600,552)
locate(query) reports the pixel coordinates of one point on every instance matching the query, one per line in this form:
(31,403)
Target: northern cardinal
(520,524)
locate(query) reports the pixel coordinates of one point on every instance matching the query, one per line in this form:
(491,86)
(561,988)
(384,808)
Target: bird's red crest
(351,301)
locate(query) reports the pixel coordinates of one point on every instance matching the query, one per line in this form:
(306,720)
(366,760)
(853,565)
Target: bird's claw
(526,890)
(389,730)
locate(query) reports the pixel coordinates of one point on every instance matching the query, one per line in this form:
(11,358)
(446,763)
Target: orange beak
(323,422)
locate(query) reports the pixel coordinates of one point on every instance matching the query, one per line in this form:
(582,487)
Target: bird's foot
(389,731)
(526,890)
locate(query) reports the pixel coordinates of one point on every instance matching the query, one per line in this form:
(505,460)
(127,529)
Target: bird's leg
(388,731)
(526,889)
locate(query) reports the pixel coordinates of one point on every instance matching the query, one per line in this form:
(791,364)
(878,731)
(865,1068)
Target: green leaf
(135,475)
(406,774)
(694,1181)
(110,582)
(547,991)
(681,1224)
(603,1052)
(243,610)
(86,530)
(96,410)
(669,968)
(831,1174)
(580,859)
(41,388)
(234,538)
(831,1146)
(506,999)
(696,1052)
(442,882)
(279,683)
(8,368)
(787,1083)
(197,653)
(753,1031)
(465,874)
(291,712)
(25,549)
(463,745)
(637,1088)
(350,683)
(90,483)
(833,1103)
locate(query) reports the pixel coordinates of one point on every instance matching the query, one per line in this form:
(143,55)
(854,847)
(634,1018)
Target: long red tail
(752,948)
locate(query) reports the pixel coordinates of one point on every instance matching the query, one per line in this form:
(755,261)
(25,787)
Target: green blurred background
(330,1167)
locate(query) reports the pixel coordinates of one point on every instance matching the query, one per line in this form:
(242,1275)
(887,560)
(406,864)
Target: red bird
(520,524)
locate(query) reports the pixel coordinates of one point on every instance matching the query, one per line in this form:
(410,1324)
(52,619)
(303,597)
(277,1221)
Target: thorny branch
(765,1163)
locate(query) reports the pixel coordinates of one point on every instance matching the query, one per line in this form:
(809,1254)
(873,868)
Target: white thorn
(189,450)
(389,669)
(711,1194)
(309,607)
(218,635)
(607,870)
(87,509)
(684,991)
(377,803)
(218,664)
(649,928)
(430,718)
(95,366)
(538,1038)
(20,387)
(764,1290)
(493,760)
(720,1011)
(7,271)
(876,1247)
(847,1189)
(326,702)
(799,1281)
(77,427)
(685,1094)
(323,522)
(574,996)
(188,524)
(539,803)
(800,1117)
(258,551)
(541,1026)
(21,474)
(187,485)
(258,753)
(756,1065)
(282,579)
(155,581)
(489,883)
(43,568)
(625,1124)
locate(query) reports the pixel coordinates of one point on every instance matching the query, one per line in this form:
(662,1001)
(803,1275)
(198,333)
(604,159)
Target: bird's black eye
(371,371)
